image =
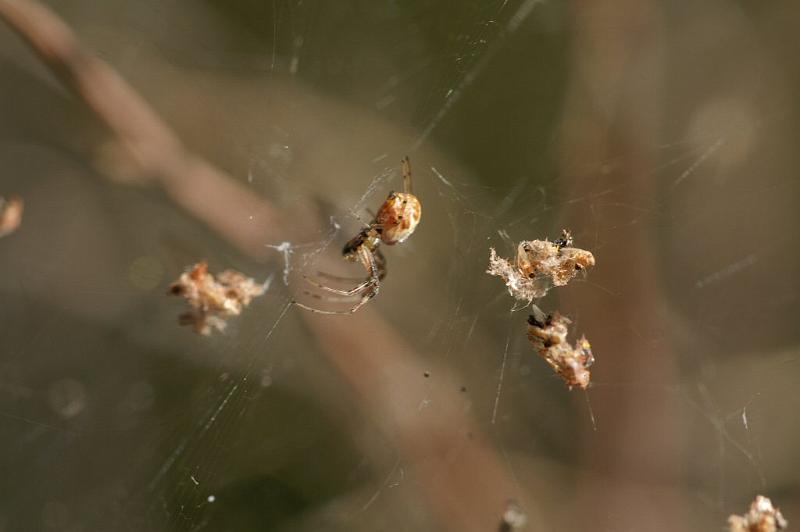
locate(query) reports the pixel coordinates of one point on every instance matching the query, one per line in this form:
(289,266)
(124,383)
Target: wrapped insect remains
(571,362)
(514,518)
(10,214)
(213,300)
(762,517)
(539,266)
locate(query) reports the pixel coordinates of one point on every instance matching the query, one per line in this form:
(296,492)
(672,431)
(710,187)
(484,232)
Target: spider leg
(373,261)
(380,263)
(343,279)
(338,291)
(352,310)
(319,310)
(369,287)
(330,298)
(406,169)
(370,260)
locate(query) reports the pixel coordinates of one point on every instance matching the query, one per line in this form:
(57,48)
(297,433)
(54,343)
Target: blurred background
(257,135)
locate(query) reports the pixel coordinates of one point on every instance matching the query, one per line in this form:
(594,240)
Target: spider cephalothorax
(395,221)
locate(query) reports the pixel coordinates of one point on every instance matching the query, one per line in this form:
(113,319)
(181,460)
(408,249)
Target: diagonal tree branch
(144,148)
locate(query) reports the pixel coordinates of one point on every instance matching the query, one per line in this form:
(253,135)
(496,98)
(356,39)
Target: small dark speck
(427,374)
(463,388)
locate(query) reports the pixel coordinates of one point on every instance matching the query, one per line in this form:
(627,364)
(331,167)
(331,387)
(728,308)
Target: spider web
(690,309)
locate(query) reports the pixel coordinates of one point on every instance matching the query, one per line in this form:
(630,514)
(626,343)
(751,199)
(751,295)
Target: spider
(395,221)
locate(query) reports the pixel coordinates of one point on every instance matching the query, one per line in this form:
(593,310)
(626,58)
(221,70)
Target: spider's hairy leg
(368,294)
(369,288)
(319,310)
(353,291)
(373,261)
(322,311)
(339,278)
(380,262)
(406,169)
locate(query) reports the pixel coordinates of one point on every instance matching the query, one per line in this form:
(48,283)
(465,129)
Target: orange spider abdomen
(398,217)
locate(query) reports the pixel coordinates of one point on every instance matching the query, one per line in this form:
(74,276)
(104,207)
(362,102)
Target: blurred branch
(462,476)
(144,148)
(609,130)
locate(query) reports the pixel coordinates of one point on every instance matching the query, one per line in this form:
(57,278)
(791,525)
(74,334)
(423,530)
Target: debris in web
(549,337)
(10,214)
(214,300)
(514,518)
(539,266)
(762,517)
(286,249)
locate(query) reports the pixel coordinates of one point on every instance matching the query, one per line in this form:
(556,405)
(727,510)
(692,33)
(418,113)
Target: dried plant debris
(549,337)
(214,300)
(514,518)
(762,517)
(539,266)
(10,214)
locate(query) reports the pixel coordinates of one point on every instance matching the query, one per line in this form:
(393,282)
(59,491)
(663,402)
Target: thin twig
(142,141)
